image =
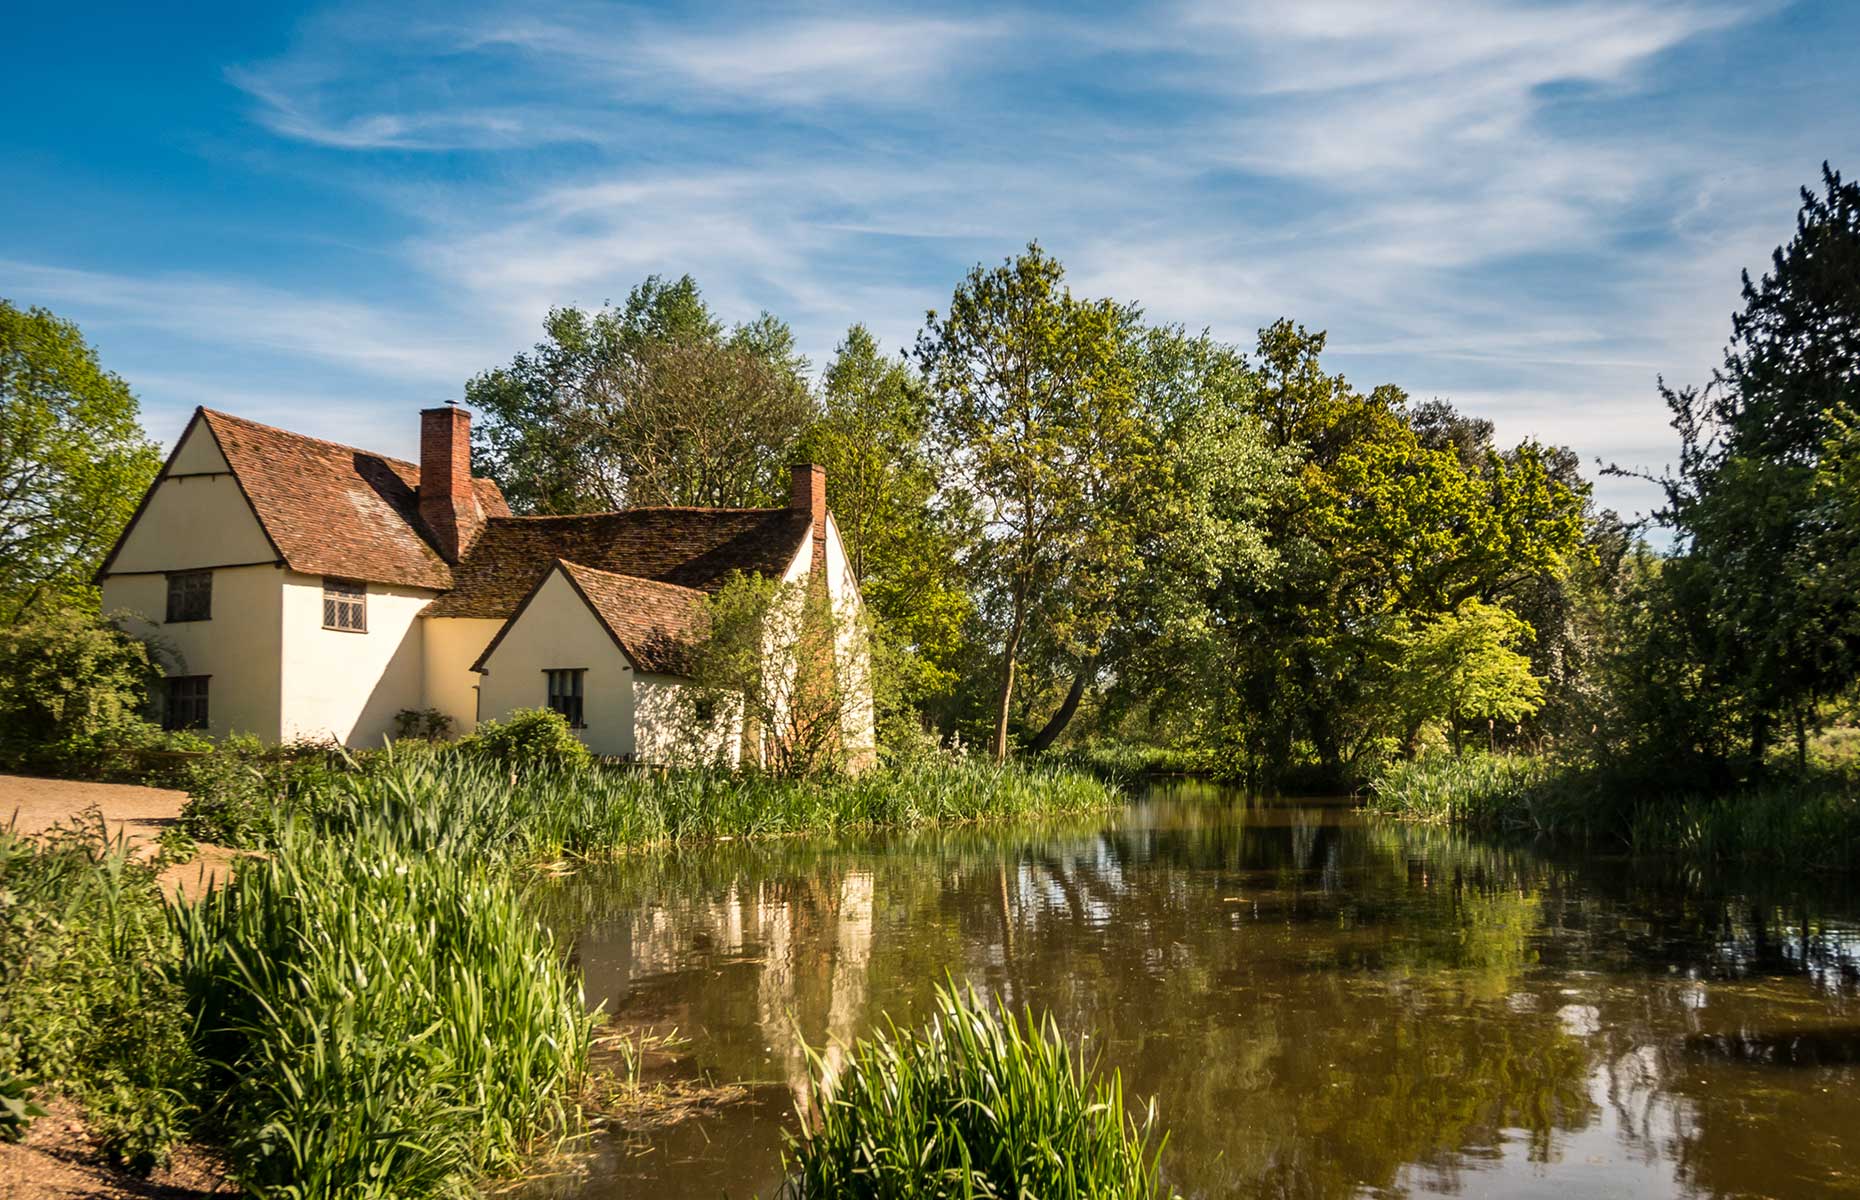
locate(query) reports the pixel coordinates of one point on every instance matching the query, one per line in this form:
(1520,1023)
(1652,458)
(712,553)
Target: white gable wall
(853,660)
(348,686)
(196,516)
(556,629)
(452,645)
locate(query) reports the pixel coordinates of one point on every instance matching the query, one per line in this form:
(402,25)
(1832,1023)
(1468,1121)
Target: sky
(326,217)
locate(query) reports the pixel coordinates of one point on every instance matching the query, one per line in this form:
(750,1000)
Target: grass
(976,1105)
(1806,821)
(1119,760)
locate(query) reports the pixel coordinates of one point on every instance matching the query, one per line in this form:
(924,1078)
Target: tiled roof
(336,510)
(656,624)
(689,547)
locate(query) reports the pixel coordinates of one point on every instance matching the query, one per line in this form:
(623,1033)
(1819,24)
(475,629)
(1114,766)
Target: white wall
(240,646)
(193,520)
(666,728)
(557,630)
(853,660)
(452,645)
(343,685)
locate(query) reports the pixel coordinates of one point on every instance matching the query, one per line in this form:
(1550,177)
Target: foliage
(528,738)
(792,704)
(425,724)
(72,690)
(975,1105)
(382,1022)
(73,463)
(1463,666)
(1031,416)
(902,537)
(86,1006)
(652,402)
(1763,542)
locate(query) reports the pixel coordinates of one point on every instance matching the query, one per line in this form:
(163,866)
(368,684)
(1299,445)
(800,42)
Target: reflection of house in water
(795,952)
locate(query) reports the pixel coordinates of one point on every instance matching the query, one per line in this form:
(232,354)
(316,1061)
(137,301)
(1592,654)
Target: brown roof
(689,547)
(332,509)
(654,624)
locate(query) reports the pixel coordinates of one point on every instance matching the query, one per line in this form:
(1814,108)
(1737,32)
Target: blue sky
(329,216)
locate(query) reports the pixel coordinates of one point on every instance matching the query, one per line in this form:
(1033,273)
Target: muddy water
(1322,1004)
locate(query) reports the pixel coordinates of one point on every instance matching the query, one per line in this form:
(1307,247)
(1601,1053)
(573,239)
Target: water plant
(380,1021)
(975,1105)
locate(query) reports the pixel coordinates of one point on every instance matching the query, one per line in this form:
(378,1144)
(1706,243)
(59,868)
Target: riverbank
(1808,822)
(374,969)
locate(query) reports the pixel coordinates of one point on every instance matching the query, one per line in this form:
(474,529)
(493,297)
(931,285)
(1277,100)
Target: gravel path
(140,814)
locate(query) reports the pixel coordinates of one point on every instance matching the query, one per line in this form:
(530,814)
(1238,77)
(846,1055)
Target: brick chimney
(448,501)
(808,493)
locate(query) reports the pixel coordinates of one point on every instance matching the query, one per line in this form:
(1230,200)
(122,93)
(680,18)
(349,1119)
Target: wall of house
(557,630)
(452,645)
(240,646)
(852,657)
(667,730)
(348,686)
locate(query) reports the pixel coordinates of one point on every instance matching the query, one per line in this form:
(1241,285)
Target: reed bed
(1810,821)
(381,1021)
(450,803)
(975,1105)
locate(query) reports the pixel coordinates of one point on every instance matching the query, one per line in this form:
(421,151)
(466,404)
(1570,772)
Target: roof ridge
(642,508)
(661,584)
(387,458)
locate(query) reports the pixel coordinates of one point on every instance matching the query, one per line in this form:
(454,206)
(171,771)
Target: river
(1321,1003)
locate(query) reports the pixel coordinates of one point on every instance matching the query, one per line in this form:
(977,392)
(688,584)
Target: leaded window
(187,702)
(190,596)
(345,605)
(565,687)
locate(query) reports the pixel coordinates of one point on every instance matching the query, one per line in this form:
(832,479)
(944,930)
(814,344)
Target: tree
(652,402)
(1030,415)
(1387,527)
(74,463)
(72,688)
(1743,502)
(1464,666)
(902,537)
(778,669)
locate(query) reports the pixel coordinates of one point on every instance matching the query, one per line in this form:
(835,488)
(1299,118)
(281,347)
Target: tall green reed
(975,1105)
(382,1021)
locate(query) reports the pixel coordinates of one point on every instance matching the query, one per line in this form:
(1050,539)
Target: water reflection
(1323,1006)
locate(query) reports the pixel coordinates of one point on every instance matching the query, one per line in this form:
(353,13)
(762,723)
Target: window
(187,702)
(705,710)
(190,596)
(345,605)
(565,693)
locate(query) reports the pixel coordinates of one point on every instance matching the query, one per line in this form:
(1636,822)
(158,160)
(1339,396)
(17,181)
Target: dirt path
(140,814)
(58,1161)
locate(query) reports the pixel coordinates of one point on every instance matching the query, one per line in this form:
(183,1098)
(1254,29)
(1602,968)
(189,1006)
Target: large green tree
(74,462)
(1749,503)
(1032,419)
(649,402)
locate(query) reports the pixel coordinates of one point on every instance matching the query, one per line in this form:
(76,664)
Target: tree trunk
(1057,725)
(1006,699)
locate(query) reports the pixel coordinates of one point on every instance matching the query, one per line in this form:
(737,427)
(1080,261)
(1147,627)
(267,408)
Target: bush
(72,690)
(86,1004)
(531,738)
(382,1022)
(976,1105)
(422,724)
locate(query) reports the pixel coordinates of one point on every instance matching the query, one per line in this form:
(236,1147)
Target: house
(301,589)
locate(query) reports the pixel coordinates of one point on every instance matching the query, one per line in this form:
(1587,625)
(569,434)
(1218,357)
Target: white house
(301,589)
